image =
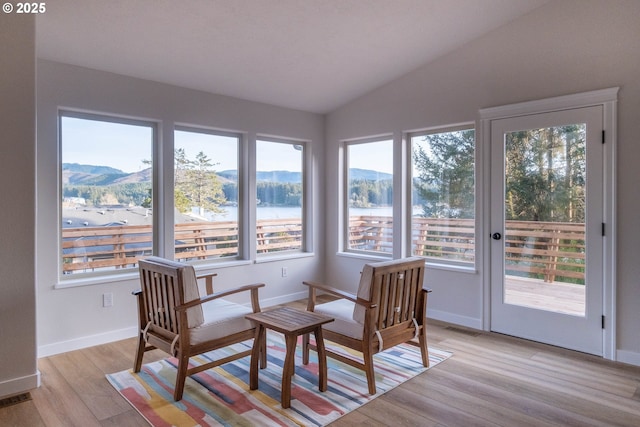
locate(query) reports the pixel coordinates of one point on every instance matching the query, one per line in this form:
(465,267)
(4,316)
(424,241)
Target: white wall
(18,370)
(564,47)
(74,317)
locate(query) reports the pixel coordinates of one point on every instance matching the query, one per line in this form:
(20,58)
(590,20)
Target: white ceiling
(311,55)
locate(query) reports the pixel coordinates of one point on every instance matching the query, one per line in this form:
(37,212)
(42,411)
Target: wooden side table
(292,323)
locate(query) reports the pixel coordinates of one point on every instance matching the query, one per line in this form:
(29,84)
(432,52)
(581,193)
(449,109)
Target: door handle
(496,236)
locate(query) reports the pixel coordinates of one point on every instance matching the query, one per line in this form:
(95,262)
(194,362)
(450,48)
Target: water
(286,212)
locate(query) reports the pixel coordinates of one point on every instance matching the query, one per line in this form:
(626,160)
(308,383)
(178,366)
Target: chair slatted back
(162,292)
(394,286)
(395,291)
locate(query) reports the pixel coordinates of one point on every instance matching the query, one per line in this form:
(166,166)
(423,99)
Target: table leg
(255,356)
(288,369)
(322,359)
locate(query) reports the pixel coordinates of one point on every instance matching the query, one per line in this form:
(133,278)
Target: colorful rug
(221,396)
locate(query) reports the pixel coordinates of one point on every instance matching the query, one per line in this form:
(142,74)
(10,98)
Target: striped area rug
(221,396)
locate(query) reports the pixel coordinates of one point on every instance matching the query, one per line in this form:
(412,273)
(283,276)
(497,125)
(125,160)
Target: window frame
(306,245)
(345,247)
(115,274)
(241,167)
(435,262)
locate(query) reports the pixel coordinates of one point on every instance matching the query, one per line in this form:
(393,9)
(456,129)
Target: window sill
(279,257)
(133,275)
(101,279)
(364,256)
(431,265)
(452,267)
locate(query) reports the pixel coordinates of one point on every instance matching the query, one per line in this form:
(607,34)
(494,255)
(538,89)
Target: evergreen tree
(445,174)
(196,184)
(544,172)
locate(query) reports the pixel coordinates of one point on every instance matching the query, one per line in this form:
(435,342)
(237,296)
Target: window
(279,195)
(369,196)
(106,192)
(443,197)
(205,194)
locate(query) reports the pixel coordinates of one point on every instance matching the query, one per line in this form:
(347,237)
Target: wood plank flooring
(491,380)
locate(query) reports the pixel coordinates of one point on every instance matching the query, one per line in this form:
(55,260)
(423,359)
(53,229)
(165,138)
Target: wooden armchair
(174,318)
(389,308)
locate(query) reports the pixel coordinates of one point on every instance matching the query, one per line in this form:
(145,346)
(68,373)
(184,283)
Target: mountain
(368,174)
(77,174)
(90,169)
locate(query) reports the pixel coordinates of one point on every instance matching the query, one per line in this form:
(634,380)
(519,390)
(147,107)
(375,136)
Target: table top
(289,320)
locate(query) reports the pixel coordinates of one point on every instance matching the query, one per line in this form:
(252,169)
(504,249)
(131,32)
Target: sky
(124,147)
(376,156)
(91,142)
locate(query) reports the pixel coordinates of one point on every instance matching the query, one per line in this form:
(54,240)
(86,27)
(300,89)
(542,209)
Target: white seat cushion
(342,311)
(194,314)
(221,318)
(364,292)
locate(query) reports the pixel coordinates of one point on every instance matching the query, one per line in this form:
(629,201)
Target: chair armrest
(340,293)
(331,290)
(208,281)
(254,287)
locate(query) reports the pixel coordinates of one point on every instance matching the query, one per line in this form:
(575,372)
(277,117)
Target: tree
(445,174)
(544,174)
(197,184)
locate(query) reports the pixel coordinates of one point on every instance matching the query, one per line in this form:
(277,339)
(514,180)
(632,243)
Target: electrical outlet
(107,300)
(284,271)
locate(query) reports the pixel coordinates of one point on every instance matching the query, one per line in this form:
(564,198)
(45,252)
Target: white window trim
(307,248)
(163,203)
(241,168)
(82,279)
(344,200)
(431,262)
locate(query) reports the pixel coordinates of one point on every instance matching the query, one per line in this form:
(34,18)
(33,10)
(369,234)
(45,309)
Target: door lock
(496,236)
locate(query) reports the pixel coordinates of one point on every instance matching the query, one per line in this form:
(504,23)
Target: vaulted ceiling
(311,55)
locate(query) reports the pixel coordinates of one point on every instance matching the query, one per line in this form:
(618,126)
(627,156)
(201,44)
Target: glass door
(546,250)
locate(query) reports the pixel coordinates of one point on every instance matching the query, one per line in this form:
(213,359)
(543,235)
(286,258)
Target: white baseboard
(444,316)
(283,299)
(20,385)
(630,357)
(87,341)
(110,336)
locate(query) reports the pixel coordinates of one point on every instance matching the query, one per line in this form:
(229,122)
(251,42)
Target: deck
(566,298)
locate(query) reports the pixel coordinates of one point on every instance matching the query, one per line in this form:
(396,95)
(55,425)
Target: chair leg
(424,349)
(137,364)
(181,376)
(367,356)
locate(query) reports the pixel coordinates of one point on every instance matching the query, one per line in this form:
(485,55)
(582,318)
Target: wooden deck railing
(94,248)
(544,250)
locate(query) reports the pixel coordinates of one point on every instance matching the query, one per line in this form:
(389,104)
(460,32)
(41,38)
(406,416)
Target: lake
(280,212)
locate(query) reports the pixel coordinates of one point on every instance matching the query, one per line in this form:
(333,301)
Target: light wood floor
(491,380)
